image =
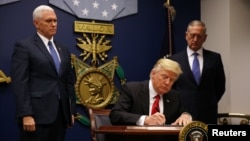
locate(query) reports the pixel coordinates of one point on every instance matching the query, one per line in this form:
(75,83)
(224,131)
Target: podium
(139,133)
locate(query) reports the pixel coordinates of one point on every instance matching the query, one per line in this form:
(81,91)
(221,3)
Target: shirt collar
(44,39)
(152,91)
(190,52)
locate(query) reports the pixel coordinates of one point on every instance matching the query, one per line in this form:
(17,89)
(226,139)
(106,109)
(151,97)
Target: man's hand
(184,119)
(29,124)
(156,119)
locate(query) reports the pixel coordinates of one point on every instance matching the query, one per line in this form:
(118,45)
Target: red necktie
(155,107)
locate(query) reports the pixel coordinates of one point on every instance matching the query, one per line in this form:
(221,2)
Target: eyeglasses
(198,36)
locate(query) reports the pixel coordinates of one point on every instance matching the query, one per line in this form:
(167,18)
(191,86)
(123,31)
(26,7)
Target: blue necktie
(196,68)
(54,56)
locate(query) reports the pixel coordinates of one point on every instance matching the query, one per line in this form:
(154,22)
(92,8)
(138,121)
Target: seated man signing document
(153,101)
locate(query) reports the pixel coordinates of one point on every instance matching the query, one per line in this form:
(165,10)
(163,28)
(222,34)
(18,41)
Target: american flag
(2,2)
(131,7)
(104,10)
(62,5)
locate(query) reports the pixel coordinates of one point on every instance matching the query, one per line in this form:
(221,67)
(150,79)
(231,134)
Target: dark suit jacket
(201,100)
(36,82)
(134,102)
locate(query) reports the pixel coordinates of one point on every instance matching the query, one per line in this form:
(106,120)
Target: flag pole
(170,17)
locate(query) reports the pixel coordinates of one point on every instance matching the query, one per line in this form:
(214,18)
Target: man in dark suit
(43,91)
(201,98)
(136,99)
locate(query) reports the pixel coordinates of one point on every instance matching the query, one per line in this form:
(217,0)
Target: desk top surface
(137,130)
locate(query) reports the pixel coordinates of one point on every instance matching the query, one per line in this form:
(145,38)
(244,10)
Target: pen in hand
(155,119)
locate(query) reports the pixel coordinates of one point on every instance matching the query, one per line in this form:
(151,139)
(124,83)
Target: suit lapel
(39,43)
(205,64)
(145,99)
(166,102)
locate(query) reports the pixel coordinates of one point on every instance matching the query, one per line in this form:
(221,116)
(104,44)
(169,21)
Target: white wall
(228,23)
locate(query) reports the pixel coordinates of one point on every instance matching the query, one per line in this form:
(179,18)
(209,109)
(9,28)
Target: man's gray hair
(197,23)
(37,13)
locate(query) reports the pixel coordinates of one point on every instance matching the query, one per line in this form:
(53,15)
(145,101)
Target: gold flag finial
(168,2)
(171,9)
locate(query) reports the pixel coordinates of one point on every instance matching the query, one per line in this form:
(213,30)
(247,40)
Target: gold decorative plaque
(93,27)
(4,78)
(95,87)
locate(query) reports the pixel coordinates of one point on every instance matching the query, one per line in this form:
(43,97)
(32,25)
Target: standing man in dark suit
(200,98)
(42,90)
(136,99)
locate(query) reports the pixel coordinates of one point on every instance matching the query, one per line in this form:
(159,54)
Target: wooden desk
(140,133)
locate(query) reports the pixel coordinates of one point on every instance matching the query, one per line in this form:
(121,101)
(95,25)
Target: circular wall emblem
(194,131)
(94,88)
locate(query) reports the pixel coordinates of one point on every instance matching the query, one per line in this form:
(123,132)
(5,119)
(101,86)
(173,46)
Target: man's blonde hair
(167,64)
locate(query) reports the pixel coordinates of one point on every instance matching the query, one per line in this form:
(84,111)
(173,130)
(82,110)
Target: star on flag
(104,10)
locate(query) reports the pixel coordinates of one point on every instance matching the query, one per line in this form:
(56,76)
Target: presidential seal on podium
(194,131)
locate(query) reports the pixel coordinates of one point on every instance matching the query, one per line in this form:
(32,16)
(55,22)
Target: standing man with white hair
(43,82)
